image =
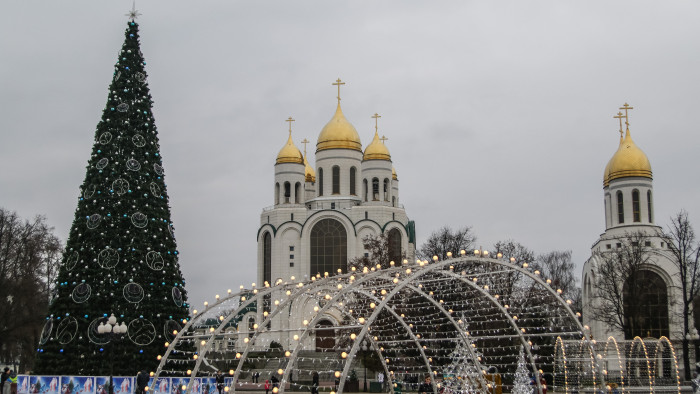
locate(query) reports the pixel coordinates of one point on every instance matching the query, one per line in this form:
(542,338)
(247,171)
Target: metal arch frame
(514,325)
(278,309)
(303,287)
(407,282)
(312,323)
(180,335)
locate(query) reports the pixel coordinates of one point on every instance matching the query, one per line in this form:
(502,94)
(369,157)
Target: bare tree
(29,257)
(378,253)
(686,252)
(522,254)
(558,267)
(620,290)
(446,240)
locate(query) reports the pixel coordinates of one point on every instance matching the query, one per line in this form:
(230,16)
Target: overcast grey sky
(498,113)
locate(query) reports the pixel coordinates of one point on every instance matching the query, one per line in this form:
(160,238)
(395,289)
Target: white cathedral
(628,200)
(321,216)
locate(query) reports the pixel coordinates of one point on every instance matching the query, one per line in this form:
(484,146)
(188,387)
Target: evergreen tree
(462,375)
(521,385)
(120,257)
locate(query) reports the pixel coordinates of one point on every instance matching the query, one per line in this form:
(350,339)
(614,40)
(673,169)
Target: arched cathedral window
(336,180)
(394,240)
(649,206)
(320,181)
(353,173)
(636,215)
(620,208)
(375,189)
(645,304)
(329,247)
(287,192)
(267,258)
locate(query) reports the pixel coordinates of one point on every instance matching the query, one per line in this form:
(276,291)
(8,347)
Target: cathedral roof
(628,161)
(338,133)
(393,174)
(376,150)
(290,153)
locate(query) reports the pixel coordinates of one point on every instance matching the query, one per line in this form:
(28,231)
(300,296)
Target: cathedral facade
(321,214)
(631,273)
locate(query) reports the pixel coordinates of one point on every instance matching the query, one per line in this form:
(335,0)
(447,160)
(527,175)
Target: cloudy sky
(498,113)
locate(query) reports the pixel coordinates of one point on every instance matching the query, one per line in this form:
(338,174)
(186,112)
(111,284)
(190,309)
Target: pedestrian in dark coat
(219,381)
(141,381)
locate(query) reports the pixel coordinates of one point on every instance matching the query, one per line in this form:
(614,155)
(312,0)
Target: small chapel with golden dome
(321,213)
(645,291)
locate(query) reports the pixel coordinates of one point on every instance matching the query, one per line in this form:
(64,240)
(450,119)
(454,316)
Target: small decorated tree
(521,385)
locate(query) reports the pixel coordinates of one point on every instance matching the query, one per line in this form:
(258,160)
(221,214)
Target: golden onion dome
(310,174)
(393,174)
(628,161)
(290,153)
(338,133)
(376,150)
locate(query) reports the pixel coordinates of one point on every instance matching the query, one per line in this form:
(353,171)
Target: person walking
(219,381)
(3,379)
(141,381)
(380,380)
(314,383)
(267,386)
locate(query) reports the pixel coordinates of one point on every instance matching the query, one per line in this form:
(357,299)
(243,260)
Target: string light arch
(412,317)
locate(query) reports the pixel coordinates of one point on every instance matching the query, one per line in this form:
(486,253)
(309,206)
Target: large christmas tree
(120,257)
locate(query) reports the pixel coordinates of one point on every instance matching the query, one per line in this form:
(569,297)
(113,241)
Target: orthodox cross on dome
(376,117)
(619,116)
(627,107)
(305,141)
(338,83)
(383,138)
(290,120)
(133,14)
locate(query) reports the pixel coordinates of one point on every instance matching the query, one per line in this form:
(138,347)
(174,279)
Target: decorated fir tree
(120,257)
(521,385)
(461,374)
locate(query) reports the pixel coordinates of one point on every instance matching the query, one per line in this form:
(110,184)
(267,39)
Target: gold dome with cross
(377,150)
(289,152)
(338,133)
(629,160)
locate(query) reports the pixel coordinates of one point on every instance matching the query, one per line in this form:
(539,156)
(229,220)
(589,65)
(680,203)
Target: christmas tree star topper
(133,14)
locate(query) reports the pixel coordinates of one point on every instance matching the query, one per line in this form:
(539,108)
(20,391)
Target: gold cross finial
(305,141)
(627,107)
(290,120)
(619,116)
(338,83)
(383,138)
(376,117)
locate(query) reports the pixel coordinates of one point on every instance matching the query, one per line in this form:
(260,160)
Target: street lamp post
(364,361)
(113,331)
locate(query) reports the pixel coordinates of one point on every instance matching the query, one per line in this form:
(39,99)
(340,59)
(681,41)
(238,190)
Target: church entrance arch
(325,335)
(329,248)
